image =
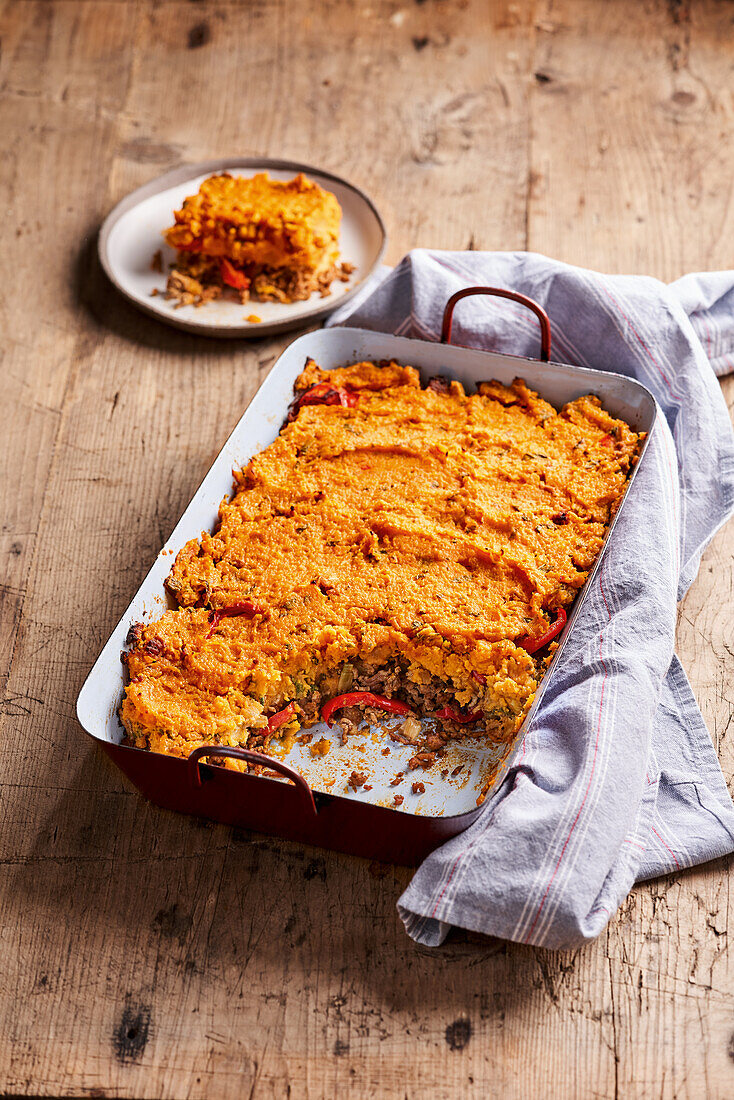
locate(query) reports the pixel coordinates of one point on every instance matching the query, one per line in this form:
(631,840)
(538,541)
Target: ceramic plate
(131,235)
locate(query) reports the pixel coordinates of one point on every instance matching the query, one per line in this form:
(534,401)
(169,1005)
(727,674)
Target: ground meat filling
(393,682)
(195,279)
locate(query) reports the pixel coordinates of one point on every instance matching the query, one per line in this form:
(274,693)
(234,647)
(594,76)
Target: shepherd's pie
(264,238)
(397,550)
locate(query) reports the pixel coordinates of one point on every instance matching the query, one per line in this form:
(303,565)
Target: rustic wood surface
(144,954)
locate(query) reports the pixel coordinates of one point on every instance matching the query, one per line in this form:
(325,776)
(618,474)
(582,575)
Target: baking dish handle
(497,292)
(251,757)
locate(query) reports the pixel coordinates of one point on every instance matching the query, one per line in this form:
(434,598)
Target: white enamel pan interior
(557,383)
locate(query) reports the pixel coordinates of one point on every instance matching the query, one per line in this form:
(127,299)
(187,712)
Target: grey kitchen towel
(617,779)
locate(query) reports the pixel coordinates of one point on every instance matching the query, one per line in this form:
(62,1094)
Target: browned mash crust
(407,543)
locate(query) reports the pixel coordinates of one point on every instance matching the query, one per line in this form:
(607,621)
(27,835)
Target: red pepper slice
(532,645)
(366,698)
(323,393)
(243,607)
(456,716)
(479,677)
(279,719)
(232,276)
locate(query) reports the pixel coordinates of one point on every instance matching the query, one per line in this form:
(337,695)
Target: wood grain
(148,955)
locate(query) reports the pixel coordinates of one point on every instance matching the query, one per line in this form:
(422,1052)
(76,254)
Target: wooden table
(149,955)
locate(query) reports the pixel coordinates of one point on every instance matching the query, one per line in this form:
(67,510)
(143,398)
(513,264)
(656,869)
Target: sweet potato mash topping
(414,543)
(279,223)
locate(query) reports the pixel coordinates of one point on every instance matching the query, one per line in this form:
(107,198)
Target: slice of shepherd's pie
(263,238)
(396,551)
